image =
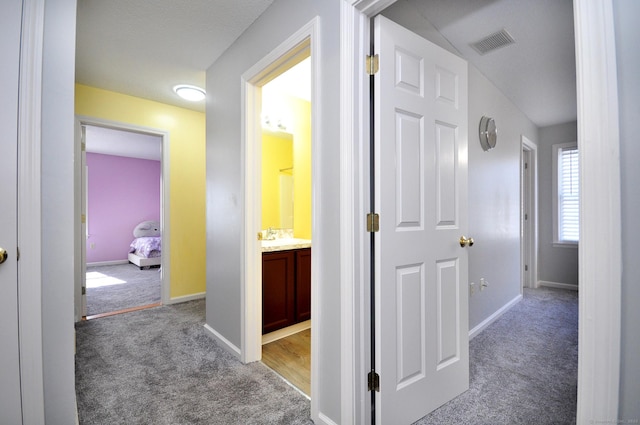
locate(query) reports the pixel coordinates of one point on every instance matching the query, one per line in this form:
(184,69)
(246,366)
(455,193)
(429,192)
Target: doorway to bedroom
(122,215)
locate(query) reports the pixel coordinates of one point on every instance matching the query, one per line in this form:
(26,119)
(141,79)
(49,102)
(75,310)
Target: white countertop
(285,244)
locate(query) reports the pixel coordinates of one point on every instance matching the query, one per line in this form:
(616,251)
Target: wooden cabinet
(286,288)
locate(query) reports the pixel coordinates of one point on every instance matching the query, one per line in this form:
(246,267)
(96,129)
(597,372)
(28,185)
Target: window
(566,194)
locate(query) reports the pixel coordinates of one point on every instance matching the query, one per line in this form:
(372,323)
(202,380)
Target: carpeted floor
(523,367)
(117,287)
(158,366)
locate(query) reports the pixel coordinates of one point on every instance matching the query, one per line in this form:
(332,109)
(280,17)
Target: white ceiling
(538,72)
(143,48)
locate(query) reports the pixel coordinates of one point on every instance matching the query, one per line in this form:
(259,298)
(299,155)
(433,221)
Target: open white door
(10,399)
(422,338)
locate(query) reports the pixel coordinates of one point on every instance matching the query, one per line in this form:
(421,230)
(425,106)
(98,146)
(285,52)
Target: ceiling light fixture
(192,93)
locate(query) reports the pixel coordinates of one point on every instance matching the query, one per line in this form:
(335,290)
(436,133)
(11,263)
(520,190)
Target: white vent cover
(492,42)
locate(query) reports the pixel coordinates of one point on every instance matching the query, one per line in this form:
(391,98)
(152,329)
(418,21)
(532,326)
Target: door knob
(464,241)
(3,255)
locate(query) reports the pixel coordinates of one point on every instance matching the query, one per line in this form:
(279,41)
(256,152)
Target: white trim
(495,316)
(107,263)
(532,148)
(600,257)
(350,35)
(224,342)
(559,285)
(165,205)
(304,42)
(185,298)
(325,420)
(290,52)
(30,213)
(285,332)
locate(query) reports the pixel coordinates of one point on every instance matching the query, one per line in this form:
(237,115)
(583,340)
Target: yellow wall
(274,158)
(186,128)
(277,154)
(302,167)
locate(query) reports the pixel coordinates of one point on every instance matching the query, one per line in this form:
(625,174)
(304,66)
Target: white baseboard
(224,342)
(185,298)
(559,285)
(325,420)
(489,320)
(285,332)
(108,263)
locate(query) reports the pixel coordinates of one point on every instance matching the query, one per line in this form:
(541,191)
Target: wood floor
(291,358)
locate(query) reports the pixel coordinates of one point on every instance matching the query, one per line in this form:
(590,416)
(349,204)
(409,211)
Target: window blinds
(568,195)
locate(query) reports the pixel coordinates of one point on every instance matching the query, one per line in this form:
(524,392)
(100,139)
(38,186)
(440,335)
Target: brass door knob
(464,241)
(3,255)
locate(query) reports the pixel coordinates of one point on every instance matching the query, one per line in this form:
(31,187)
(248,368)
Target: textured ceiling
(145,47)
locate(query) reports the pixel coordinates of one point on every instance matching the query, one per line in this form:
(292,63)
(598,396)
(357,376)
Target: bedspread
(146,246)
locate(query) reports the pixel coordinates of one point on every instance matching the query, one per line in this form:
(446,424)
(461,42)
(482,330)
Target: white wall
(494,181)
(555,264)
(225,202)
(58,211)
(627,30)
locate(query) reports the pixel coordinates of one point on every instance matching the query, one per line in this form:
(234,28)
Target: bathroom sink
(285,244)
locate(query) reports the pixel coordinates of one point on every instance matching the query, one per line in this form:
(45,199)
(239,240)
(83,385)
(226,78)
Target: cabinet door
(278,290)
(303,284)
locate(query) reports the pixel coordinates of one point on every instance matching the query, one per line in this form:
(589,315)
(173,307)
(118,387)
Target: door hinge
(84,290)
(526,165)
(17,253)
(526,268)
(83,146)
(373,222)
(373,381)
(372,64)
(526,216)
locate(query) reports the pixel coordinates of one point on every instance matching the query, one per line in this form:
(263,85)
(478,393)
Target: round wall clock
(488,133)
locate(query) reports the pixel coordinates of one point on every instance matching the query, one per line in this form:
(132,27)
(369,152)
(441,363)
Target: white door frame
(302,44)
(600,257)
(529,189)
(165,284)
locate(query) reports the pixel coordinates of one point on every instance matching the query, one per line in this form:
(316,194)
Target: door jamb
(599,346)
(303,43)
(532,221)
(165,285)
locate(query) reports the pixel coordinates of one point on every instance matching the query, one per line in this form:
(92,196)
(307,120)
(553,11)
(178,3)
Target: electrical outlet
(483,283)
(92,245)
(472,288)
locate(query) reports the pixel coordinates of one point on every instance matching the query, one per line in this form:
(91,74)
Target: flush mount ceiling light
(188,92)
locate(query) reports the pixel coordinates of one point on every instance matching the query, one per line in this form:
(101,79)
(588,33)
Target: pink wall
(122,193)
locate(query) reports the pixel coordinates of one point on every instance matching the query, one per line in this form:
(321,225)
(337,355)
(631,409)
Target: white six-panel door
(422,352)
(10,401)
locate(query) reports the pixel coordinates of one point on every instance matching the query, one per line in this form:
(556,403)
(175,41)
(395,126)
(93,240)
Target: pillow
(147,228)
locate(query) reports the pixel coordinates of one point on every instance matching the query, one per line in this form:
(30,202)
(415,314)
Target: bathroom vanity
(286,283)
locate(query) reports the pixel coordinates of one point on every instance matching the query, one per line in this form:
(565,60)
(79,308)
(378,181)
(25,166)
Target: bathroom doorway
(298,262)
(285,234)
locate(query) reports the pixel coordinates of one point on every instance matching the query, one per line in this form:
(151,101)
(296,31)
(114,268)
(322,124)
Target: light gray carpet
(523,367)
(157,366)
(124,286)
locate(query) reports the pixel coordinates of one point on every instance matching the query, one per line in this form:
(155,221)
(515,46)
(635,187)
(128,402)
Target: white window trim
(554,161)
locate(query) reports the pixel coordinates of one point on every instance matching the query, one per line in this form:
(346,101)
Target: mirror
(277,180)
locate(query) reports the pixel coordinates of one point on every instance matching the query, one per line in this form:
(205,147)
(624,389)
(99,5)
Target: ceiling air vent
(492,42)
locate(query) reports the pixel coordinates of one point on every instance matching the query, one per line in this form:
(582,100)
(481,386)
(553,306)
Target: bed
(146,249)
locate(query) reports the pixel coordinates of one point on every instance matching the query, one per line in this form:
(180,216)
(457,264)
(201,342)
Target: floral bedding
(147,247)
